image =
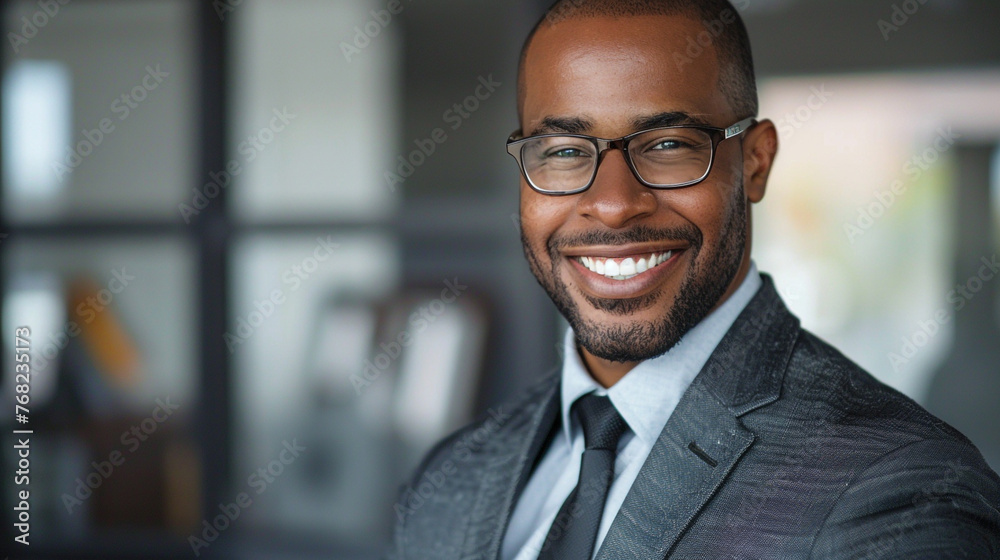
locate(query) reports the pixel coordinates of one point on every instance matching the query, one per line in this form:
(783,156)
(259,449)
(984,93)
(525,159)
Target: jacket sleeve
(396,549)
(926,499)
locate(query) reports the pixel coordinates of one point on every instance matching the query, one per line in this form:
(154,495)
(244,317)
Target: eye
(566,153)
(669,144)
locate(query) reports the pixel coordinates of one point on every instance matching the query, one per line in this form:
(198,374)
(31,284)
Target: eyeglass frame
(718,135)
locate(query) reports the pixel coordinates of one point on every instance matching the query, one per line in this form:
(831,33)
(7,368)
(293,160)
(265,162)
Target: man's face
(602,77)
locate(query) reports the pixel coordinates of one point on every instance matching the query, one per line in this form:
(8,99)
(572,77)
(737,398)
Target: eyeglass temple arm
(740,127)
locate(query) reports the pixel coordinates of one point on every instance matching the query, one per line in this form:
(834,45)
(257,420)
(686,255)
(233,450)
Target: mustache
(637,234)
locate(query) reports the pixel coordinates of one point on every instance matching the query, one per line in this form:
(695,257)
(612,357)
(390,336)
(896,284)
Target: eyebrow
(582,125)
(672,118)
(569,125)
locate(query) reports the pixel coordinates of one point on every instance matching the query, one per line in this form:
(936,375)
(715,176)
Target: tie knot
(603,426)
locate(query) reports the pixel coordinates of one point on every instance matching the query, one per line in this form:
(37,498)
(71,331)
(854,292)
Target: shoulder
(925,497)
(441,494)
(820,376)
(913,483)
(492,428)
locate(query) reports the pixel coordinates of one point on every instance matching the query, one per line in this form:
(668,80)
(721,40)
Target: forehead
(612,70)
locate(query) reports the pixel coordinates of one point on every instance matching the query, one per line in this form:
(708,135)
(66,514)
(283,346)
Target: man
(693,417)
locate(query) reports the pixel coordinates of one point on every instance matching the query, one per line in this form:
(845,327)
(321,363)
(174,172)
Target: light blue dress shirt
(645,397)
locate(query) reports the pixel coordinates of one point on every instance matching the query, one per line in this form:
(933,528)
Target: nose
(616,198)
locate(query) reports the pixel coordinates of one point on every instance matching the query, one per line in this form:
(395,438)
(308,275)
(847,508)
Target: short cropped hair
(724,29)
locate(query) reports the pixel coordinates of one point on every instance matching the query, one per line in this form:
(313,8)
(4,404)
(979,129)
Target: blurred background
(268,251)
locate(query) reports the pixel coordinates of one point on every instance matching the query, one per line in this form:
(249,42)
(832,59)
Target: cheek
(541,216)
(729,162)
(704,205)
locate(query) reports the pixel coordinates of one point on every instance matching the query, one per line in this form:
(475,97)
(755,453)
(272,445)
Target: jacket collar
(704,438)
(698,447)
(747,368)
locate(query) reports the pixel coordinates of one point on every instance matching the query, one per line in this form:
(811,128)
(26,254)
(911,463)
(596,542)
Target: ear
(760,147)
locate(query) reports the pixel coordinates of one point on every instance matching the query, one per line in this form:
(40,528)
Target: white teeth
(623,269)
(611,268)
(627,268)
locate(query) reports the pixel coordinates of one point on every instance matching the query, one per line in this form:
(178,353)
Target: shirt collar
(648,394)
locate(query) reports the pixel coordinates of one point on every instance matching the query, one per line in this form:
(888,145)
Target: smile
(624,268)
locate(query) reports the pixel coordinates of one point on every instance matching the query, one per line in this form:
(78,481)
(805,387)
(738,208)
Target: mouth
(625,268)
(623,272)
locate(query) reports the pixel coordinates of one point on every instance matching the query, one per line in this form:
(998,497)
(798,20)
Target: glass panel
(858,223)
(36,113)
(113,382)
(995,199)
(98,109)
(994,196)
(305,314)
(313,124)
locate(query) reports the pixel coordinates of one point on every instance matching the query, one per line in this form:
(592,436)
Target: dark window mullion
(213,230)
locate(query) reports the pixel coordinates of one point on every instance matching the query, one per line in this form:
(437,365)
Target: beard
(706,280)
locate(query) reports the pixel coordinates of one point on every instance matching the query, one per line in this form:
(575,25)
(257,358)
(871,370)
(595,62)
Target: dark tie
(574,530)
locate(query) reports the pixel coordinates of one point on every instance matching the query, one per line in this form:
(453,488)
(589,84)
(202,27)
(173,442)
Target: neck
(605,372)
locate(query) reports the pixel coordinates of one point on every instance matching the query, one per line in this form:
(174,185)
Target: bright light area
(36,300)
(856,227)
(36,132)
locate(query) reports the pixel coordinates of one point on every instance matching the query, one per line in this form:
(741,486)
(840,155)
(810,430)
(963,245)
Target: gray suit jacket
(780,448)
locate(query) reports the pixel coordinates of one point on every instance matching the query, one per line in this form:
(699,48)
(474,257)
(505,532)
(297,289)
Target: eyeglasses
(661,158)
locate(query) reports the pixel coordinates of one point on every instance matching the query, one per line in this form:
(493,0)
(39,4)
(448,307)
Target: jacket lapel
(696,450)
(704,439)
(507,467)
